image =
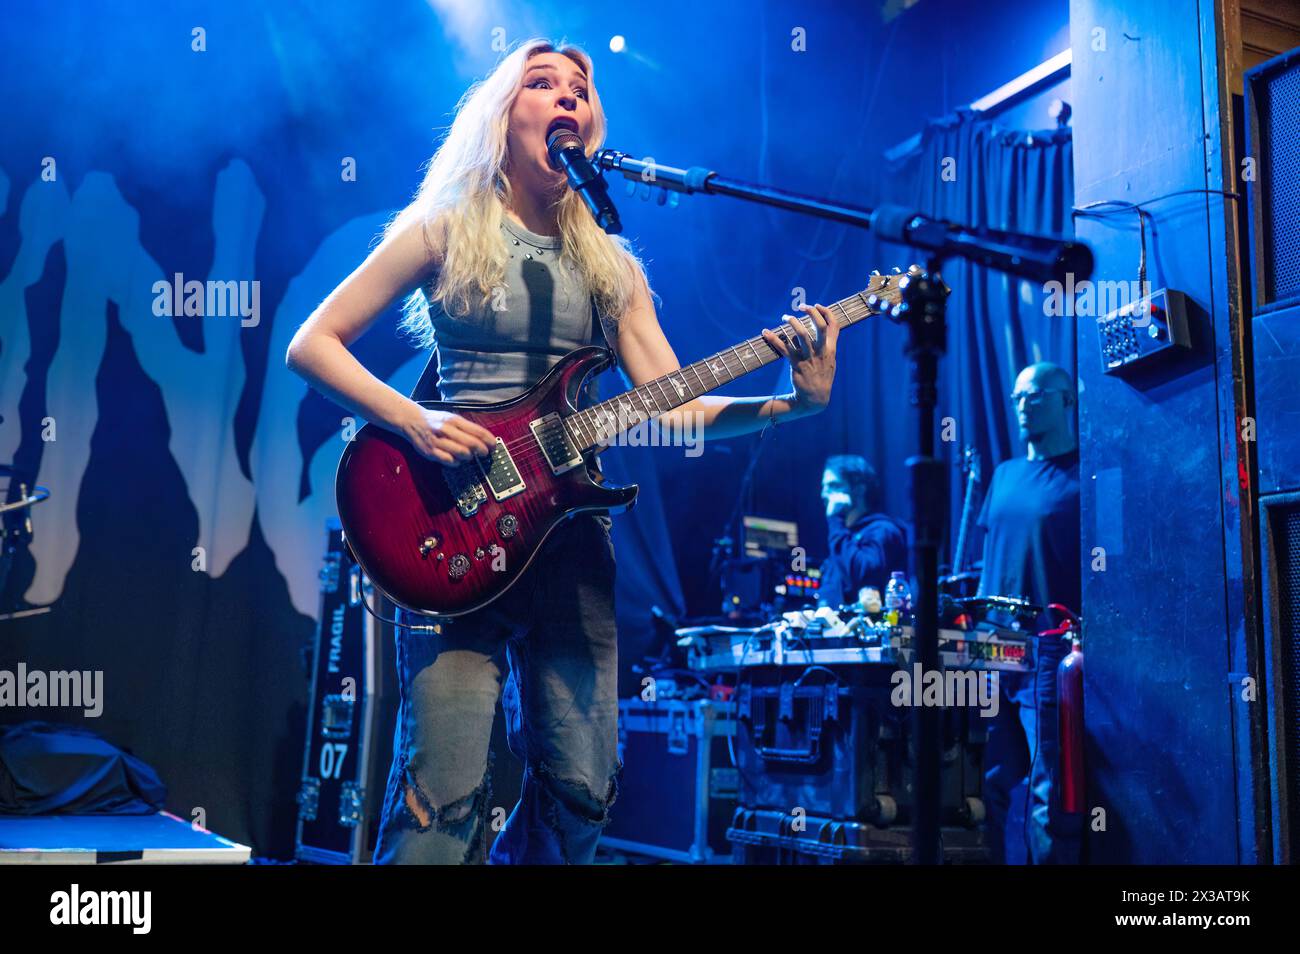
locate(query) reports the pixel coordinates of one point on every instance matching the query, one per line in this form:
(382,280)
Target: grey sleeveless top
(496,353)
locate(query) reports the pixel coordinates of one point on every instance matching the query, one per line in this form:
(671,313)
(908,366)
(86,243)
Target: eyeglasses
(1032,398)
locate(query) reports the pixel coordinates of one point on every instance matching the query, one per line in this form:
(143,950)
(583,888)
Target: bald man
(1031,550)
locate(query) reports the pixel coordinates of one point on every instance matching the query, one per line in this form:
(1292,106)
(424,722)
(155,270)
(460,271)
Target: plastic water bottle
(898,597)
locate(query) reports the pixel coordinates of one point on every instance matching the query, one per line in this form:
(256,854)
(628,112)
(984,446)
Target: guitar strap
(597,335)
(598,331)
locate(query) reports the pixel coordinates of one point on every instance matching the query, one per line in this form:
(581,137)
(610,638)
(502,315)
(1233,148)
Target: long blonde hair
(462,200)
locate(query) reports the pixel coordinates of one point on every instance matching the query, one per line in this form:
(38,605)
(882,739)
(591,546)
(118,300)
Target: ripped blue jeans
(556,628)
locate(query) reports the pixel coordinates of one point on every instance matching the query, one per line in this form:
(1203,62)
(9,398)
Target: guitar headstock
(884,291)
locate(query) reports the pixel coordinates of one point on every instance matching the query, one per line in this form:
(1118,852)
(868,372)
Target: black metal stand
(923,309)
(1030,256)
(16,533)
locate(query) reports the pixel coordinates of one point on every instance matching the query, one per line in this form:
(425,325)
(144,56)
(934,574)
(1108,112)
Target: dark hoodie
(862,554)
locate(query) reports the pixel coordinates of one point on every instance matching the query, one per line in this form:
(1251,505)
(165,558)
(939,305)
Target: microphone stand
(923,310)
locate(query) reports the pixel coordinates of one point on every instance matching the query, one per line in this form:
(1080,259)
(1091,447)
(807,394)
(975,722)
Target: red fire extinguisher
(1069,693)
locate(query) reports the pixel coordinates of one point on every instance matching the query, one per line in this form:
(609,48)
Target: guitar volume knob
(458,566)
(507,525)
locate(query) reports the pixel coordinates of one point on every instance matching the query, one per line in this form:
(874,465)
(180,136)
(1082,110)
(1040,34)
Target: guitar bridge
(464,485)
(556,446)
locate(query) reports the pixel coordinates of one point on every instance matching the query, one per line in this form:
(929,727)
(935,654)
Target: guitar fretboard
(603,422)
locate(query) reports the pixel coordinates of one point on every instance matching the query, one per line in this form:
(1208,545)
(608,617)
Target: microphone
(568,153)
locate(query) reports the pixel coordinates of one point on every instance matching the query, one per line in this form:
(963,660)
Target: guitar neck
(603,422)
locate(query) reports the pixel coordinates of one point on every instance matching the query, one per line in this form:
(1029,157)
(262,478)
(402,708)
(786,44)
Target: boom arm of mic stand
(1030,256)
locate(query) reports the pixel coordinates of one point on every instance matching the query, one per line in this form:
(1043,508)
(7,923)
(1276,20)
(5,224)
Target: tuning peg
(897,270)
(914,269)
(875,272)
(873,301)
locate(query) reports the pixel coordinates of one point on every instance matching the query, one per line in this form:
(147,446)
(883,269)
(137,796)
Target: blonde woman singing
(506,268)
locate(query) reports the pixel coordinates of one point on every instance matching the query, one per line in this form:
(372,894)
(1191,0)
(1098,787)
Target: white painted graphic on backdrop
(200,392)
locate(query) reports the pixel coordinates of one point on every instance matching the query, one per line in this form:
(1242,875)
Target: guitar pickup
(500,472)
(556,446)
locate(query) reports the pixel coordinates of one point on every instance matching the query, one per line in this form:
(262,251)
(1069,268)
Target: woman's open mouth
(561,121)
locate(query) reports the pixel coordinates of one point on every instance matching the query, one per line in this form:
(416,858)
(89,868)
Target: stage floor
(162,838)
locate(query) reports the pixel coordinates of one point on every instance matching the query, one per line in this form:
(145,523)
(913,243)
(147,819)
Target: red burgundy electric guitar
(447,540)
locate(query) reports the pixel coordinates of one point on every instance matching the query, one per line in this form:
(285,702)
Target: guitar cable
(1104,207)
(433,628)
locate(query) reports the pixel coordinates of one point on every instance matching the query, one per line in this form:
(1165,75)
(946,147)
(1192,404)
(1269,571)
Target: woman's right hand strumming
(319,352)
(446,437)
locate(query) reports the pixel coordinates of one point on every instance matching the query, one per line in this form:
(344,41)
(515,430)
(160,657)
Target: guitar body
(446,541)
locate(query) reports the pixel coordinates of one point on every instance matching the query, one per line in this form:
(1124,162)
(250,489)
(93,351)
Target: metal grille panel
(1279,116)
(1286,544)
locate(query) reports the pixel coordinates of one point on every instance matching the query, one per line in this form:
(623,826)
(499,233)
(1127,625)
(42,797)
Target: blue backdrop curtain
(970,171)
(997,178)
(1002,179)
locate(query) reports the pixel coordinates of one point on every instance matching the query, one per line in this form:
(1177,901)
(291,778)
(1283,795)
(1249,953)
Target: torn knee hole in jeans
(578,797)
(449,816)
